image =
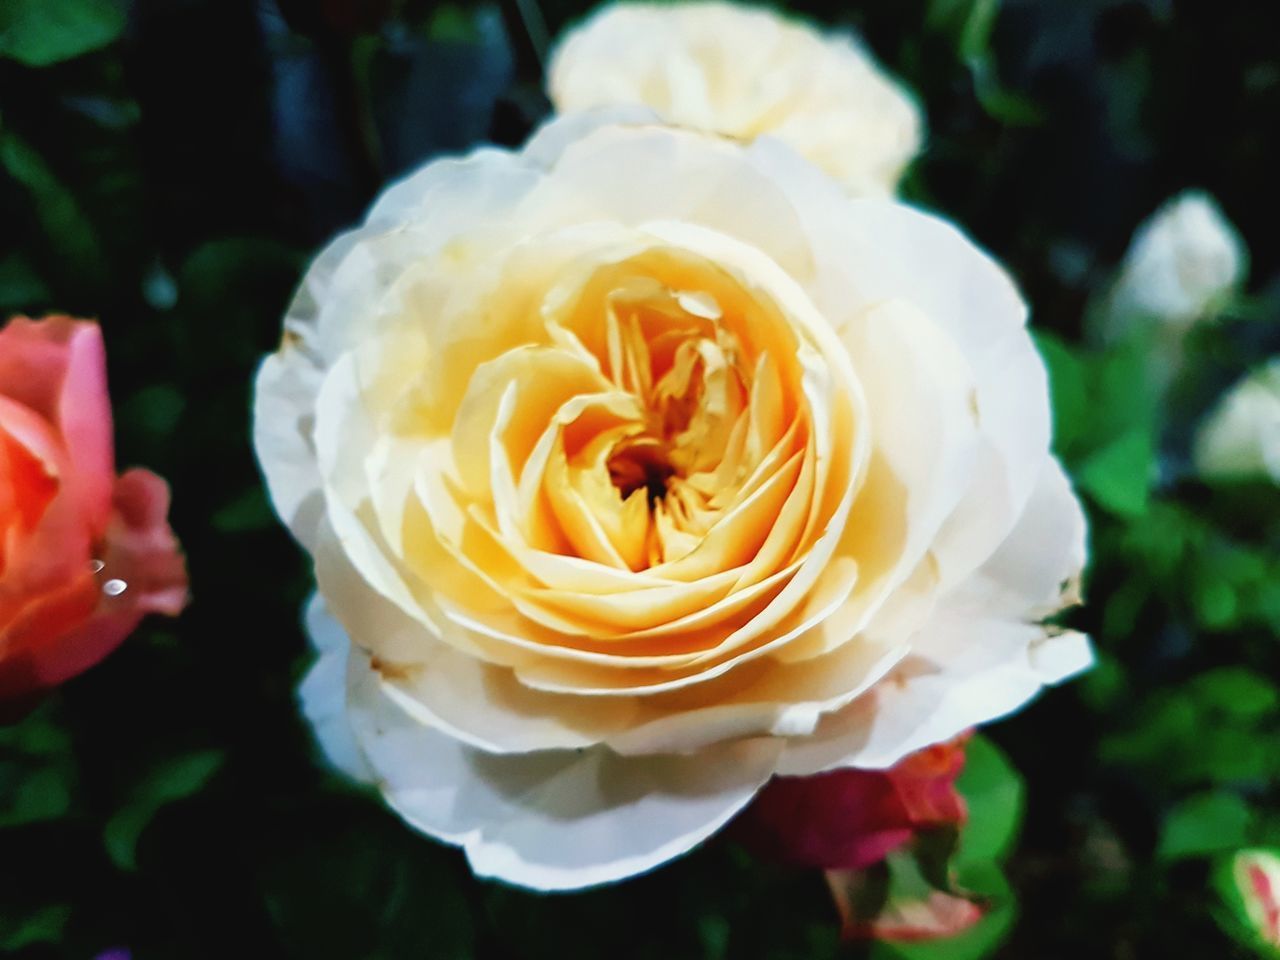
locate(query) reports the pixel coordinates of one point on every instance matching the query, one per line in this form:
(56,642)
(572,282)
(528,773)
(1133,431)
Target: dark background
(169,166)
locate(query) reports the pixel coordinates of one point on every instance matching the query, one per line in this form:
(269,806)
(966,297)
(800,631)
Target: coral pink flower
(849,819)
(84,553)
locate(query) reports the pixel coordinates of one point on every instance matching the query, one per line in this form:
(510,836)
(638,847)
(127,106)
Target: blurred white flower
(744,72)
(1240,439)
(1181,264)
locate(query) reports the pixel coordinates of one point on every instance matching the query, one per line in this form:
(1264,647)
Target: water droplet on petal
(113,588)
(96,566)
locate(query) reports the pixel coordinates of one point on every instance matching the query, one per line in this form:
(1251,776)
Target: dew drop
(113,588)
(96,566)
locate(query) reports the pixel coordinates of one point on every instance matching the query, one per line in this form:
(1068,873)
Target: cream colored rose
(744,72)
(1181,264)
(1240,439)
(641,465)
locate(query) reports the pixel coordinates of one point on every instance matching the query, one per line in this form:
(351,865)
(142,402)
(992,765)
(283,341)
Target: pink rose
(84,553)
(844,821)
(850,819)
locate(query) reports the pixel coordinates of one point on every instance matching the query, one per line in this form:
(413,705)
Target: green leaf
(43,925)
(42,794)
(452,23)
(1000,103)
(982,939)
(1103,687)
(1068,387)
(995,794)
(975,36)
(1225,582)
(1162,725)
(967,22)
(156,409)
(249,511)
(1216,728)
(1204,825)
(365,887)
(1124,606)
(20,285)
(1118,477)
(37,771)
(39,33)
(1104,421)
(71,238)
(713,932)
(1227,754)
(1162,543)
(1236,691)
(240,284)
(171,781)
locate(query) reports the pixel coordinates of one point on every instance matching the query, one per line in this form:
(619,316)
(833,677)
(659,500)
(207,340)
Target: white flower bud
(1240,439)
(1181,264)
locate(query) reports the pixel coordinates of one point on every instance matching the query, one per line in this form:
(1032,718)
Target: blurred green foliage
(169,166)
(40,33)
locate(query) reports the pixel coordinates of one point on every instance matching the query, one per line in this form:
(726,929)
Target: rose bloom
(84,553)
(744,72)
(640,466)
(1240,439)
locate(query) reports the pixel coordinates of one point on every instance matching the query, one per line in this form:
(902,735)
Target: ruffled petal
(552,820)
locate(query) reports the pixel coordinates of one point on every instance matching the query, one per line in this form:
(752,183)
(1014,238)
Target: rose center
(641,464)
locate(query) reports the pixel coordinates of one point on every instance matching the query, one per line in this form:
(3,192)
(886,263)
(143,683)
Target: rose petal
(551,820)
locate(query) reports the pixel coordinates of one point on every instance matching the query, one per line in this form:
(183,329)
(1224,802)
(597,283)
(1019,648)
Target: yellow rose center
(645,447)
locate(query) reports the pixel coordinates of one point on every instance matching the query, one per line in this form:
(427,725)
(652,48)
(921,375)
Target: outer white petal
(345,290)
(323,693)
(283,418)
(634,175)
(976,658)
(784,700)
(549,142)
(452,196)
(1036,571)
(871,251)
(972,673)
(474,702)
(553,820)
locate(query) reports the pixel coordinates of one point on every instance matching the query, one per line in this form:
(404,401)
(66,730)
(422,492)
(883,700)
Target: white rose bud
(1181,264)
(1240,439)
